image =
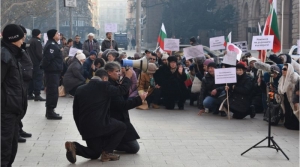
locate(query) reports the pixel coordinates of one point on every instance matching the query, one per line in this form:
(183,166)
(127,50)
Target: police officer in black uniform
(12,92)
(52,64)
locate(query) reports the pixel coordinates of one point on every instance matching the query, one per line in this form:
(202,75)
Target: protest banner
(111,27)
(171,44)
(225,75)
(298,44)
(73,51)
(233,53)
(243,45)
(193,52)
(262,42)
(217,43)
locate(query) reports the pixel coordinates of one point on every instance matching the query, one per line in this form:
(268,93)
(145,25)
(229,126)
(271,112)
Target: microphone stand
(269,137)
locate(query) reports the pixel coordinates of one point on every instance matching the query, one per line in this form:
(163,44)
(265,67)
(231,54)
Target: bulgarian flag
(161,37)
(271,26)
(227,40)
(262,53)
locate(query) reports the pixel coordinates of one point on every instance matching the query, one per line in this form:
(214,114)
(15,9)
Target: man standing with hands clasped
(92,116)
(52,64)
(109,43)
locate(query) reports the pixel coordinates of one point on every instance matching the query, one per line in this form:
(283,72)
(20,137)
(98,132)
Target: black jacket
(74,75)
(172,84)
(35,51)
(13,94)
(207,86)
(27,66)
(52,59)
(91,106)
(119,110)
(106,43)
(77,45)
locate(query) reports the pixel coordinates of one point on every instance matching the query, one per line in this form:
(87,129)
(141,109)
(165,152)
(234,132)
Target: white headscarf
(285,81)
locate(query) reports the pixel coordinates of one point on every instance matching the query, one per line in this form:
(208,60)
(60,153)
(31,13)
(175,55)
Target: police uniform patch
(53,43)
(51,50)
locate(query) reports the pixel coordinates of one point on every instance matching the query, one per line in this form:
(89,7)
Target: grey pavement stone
(168,139)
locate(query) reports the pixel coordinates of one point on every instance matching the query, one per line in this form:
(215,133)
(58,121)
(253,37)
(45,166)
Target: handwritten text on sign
(217,43)
(225,75)
(111,27)
(193,52)
(262,42)
(171,44)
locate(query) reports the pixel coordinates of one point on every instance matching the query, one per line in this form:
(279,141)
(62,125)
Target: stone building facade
(250,12)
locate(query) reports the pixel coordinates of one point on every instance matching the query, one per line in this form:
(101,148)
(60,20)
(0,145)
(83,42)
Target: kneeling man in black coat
(92,117)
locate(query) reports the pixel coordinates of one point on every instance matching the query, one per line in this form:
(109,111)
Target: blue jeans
(210,103)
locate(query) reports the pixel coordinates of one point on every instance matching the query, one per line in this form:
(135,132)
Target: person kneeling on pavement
(239,94)
(92,117)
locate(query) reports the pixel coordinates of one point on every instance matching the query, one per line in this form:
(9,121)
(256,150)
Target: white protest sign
(217,43)
(111,27)
(70,3)
(230,58)
(45,38)
(193,52)
(243,45)
(73,51)
(298,44)
(225,75)
(262,42)
(171,44)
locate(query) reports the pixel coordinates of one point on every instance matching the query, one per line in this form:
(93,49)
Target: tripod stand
(269,137)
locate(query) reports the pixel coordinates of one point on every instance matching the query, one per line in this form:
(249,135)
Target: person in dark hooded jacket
(193,41)
(88,66)
(109,43)
(171,79)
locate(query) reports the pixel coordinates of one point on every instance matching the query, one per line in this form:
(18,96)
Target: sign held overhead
(217,43)
(171,44)
(193,52)
(111,27)
(262,42)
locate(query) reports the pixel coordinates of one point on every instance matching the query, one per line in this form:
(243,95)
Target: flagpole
(271,19)
(282,11)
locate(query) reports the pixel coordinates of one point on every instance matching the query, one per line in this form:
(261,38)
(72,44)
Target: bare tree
(14,11)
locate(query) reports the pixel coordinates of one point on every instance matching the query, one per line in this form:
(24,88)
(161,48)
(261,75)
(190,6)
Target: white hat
(252,59)
(91,34)
(80,55)
(165,56)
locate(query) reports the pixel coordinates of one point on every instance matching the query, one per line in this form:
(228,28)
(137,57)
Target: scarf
(284,81)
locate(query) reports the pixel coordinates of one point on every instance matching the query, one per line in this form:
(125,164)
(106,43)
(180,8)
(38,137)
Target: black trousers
(171,100)
(73,91)
(52,83)
(131,147)
(37,82)
(107,142)
(9,138)
(154,97)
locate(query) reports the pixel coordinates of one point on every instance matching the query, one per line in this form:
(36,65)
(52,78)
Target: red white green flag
(262,53)
(227,40)
(271,26)
(161,37)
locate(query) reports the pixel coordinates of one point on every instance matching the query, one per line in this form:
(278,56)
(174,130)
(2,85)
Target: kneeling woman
(239,94)
(73,78)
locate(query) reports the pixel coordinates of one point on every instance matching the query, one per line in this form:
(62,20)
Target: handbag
(144,106)
(61,91)
(196,86)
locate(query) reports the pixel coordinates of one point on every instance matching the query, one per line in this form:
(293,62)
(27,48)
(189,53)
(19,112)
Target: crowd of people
(104,91)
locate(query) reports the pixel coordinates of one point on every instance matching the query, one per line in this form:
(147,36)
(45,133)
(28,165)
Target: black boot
(50,114)
(30,97)
(21,139)
(39,98)
(252,111)
(24,134)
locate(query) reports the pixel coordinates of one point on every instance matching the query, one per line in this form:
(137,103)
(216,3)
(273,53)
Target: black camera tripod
(269,137)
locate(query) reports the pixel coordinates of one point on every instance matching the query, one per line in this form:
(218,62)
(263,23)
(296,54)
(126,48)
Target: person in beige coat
(286,89)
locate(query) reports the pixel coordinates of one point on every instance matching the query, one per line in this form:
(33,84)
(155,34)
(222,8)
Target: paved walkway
(168,138)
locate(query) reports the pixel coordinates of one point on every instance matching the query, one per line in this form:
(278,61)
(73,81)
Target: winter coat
(207,86)
(240,95)
(13,95)
(66,52)
(91,106)
(133,92)
(52,61)
(119,107)
(172,84)
(133,43)
(27,66)
(74,75)
(87,68)
(144,83)
(77,45)
(86,47)
(287,85)
(106,44)
(35,51)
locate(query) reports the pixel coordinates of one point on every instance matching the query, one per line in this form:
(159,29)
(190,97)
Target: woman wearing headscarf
(74,77)
(286,89)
